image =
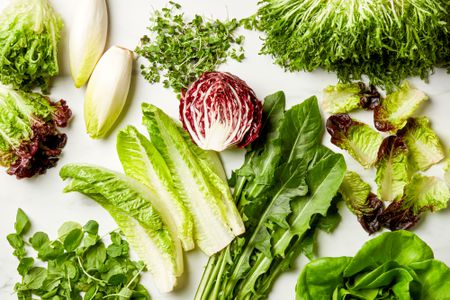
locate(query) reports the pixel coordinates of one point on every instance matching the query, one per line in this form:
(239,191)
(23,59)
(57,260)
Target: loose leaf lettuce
(394,110)
(130,204)
(394,265)
(196,177)
(392,168)
(29,36)
(346,97)
(30,142)
(361,141)
(425,148)
(143,162)
(365,205)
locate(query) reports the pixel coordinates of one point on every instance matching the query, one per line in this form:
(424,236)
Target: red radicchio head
(220,110)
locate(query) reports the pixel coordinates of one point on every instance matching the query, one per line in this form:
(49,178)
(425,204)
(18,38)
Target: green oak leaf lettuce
(130,204)
(29,36)
(425,147)
(361,141)
(141,161)
(394,110)
(392,168)
(394,265)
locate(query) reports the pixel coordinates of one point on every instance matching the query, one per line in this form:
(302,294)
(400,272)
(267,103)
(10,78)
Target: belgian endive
(107,91)
(87,38)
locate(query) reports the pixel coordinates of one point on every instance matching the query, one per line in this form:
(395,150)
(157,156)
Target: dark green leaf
(66,228)
(34,278)
(15,240)
(91,227)
(25,265)
(73,239)
(38,240)
(95,256)
(22,224)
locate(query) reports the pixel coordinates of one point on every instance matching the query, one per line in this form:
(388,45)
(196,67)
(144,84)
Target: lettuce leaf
(394,110)
(30,142)
(29,36)
(346,97)
(130,204)
(216,219)
(392,168)
(425,148)
(141,161)
(358,198)
(361,141)
(394,265)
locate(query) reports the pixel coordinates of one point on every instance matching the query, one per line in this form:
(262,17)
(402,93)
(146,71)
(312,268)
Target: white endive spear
(107,91)
(87,38)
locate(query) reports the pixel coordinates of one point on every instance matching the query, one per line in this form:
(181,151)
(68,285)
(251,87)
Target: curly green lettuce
(29,36)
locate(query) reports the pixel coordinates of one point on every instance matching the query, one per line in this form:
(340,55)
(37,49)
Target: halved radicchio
(220,110)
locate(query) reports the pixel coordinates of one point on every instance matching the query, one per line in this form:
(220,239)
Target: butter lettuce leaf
(29,36)
(394,110)
(141,161)
(392,168)
(425,147)
(130,204)
(361,141)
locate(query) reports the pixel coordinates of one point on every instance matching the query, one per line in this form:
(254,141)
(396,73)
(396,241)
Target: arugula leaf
(22,224)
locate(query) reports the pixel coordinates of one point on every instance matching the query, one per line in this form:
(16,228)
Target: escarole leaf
(394,110)
(361,141)
(392,168)
(425,148)
(216,220)
(130,202)
(143,162)
(347,97)
(397,265)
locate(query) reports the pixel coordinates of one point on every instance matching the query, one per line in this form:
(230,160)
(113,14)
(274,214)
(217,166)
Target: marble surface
(48,207)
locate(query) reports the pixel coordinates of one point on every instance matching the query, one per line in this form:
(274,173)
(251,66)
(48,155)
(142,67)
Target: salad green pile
(29,36)
(412,147)
(78,261)
(181,50)
(394,265)
(284,191)
(388,41)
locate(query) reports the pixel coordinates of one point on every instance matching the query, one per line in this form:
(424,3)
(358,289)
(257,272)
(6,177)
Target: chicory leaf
(346,97)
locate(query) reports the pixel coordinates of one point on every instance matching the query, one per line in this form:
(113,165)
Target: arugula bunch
(77,261)
(284,191)
(386,40)
(180,50)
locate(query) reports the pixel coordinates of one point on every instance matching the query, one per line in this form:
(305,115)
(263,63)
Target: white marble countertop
(42,197)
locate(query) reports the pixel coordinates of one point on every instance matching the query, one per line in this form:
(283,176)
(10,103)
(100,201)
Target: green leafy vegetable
(394,265)
(361,141)
(198,176)
(143,162)
(285,191)
(392,168)
(365,205)
(82,267)
(29,36)
(346,97)
(181,50)
(425,148)
(388,41)
(30,142)
(131,205)
(394,110)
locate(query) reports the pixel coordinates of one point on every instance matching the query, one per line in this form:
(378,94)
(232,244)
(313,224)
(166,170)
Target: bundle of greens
(284,191)
(394,265)
(174,195)
(78,261)
(181,50)
(397,158)
(386,40)
(29,36)
(30,142)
